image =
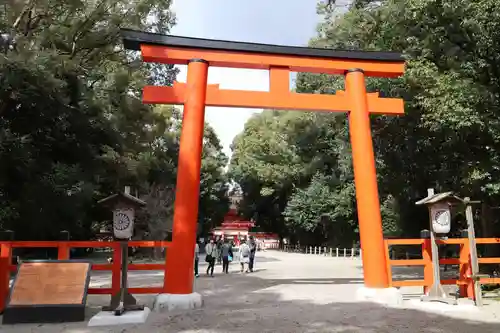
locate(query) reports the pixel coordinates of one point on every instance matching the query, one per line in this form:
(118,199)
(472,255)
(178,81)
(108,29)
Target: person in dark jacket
(211,253)
(219,250)
(196,259)
(253,248)
(227,255)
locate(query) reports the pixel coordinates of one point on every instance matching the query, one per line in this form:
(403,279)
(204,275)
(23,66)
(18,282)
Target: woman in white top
(244,255)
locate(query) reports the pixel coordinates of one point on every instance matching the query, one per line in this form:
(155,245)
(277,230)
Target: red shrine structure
(237,229)
(233,226)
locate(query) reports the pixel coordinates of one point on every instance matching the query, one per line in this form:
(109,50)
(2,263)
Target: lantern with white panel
(123,223)
(123,206)
(441,218)
(439,206)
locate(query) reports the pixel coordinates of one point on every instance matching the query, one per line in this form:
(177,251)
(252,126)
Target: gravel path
(289,293)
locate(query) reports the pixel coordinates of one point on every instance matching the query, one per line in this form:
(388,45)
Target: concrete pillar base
(386,296)
(169,302)
(108,318)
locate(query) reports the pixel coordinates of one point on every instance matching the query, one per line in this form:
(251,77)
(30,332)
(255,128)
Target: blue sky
(285,22)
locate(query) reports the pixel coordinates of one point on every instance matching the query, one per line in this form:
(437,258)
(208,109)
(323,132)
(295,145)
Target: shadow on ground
(248,303)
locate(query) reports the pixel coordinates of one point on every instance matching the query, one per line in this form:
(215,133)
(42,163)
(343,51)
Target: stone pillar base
(169,302)
(386,296)
(108,318)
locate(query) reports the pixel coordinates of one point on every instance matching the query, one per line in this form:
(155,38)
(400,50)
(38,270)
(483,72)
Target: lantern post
(123,206)
(439,206)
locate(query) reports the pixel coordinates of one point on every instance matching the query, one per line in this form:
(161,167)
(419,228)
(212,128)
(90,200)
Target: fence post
(388,261)
(116,269)
(331,250)
(4,282)
(427,256)
(345,252)
(337,252)
(63,249)
(324,251)
(5,261)
(465,274)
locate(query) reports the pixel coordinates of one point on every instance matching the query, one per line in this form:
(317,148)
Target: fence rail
(63,253)
(421,257)
(464,281)
(324,251)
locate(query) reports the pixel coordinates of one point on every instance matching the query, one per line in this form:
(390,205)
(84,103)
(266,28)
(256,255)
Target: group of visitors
(221,252)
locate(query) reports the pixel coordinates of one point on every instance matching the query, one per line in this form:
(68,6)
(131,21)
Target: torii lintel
(285,100)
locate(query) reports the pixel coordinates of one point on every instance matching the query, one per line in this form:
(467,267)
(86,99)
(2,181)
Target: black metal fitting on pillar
(425,234)
(197,60)
(7,235)
(354,70)
(64,235)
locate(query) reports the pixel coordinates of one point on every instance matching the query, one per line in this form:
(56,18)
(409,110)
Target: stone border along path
(288,293)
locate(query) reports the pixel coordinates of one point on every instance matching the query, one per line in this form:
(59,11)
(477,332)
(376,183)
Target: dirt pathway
(289,293)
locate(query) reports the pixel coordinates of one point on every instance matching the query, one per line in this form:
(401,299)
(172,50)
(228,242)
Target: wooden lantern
(123,206)
(439,206)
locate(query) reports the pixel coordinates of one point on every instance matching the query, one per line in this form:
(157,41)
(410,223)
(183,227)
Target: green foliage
(283,162)
(448,138)
(73,128)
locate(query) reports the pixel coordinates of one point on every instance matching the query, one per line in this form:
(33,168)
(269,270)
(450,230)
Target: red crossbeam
(271,100)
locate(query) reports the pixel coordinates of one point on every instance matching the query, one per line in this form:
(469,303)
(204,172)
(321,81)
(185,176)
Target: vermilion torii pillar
(199,54)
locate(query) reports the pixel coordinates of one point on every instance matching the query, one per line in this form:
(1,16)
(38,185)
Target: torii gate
(199,54)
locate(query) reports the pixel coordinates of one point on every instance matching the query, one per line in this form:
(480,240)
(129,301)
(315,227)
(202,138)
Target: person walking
(219,250)
(253,248)
(211,252)
(244,256)
(227,255)
(196,259)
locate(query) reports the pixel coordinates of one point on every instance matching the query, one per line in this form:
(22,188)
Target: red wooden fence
(63,254)
(464,280)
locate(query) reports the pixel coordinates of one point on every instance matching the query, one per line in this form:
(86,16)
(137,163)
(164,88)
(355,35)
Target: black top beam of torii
(133,39)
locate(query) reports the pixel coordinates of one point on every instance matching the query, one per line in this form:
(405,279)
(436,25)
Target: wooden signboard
(48,291)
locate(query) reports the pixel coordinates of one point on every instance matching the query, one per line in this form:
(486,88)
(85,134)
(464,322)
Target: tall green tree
(447,139)
(448,135)
(72,126)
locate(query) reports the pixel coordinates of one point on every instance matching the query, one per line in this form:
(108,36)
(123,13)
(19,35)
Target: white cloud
(229,122)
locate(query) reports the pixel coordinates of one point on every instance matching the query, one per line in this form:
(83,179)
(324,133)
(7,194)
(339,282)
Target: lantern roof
(449,197)
(123,199)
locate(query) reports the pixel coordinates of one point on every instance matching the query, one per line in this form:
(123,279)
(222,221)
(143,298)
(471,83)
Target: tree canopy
(295,169)
(73,128)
